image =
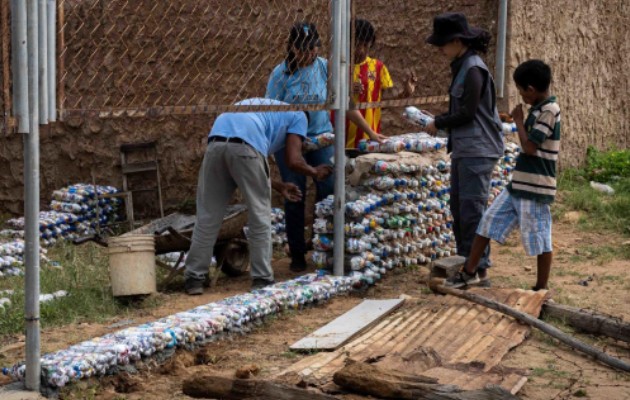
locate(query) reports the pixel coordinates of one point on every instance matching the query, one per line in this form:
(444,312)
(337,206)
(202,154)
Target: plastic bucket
(132,265)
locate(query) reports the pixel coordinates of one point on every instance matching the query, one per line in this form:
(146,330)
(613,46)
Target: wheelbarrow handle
(96,239)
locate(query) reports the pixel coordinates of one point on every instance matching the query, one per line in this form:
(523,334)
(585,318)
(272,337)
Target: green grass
(84,275)
(600,211)
(601,254)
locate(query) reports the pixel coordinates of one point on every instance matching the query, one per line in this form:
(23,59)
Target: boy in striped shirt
(526,200)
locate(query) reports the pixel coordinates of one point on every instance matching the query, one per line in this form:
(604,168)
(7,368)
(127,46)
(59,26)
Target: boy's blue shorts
(507,212)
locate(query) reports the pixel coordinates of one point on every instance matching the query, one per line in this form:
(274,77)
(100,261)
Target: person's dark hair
(364,32)
(302,35)
(479,43)
(534,73)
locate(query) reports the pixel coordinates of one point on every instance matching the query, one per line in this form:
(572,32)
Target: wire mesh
(140,57)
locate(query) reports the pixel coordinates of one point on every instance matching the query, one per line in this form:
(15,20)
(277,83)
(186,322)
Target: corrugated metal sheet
(447,338)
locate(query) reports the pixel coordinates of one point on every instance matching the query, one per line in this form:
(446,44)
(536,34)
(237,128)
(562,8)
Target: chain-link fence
(138,57)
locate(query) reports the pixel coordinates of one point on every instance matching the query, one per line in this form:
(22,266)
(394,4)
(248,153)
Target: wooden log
(370,380)
(589,321)
(218,387)
(538,324)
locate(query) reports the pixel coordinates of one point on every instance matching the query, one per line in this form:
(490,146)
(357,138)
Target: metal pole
(341,62)
(52,57)
(501,40)
(31,206)
(19,64)
(42,28)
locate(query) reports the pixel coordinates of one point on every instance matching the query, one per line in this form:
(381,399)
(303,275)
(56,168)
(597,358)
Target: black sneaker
(194,287)
(484,280)
(298,264)
(259,283)
(462,279)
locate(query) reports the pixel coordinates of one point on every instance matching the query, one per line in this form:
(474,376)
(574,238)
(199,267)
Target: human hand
(431,129)
(517,114)
(323,171)
(357,88)
(291,192)
(410,84)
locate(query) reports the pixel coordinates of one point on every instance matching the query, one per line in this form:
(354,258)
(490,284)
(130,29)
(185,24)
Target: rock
(572,216)
(527,268)
(247,371)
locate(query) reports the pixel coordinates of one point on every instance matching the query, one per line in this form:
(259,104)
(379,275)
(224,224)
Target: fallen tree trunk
(589,321)
(536,323)
(218,387)
(370,380)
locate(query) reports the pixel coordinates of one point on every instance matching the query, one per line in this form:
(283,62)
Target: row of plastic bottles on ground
(193,327)
(5,302)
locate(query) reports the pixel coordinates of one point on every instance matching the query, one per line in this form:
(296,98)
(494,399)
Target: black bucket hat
(450,26)
(304,36)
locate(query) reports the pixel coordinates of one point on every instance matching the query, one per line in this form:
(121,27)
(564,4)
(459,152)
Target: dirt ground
(556,372)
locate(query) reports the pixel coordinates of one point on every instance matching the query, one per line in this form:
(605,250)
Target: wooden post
(388,384)
(589,321)
(538,324)
(218,387)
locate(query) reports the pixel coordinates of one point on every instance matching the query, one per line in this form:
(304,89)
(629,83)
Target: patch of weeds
(580,393)
(84,275)
(601,211)
(289,354)
(551,371)
(565,272)
(611,279)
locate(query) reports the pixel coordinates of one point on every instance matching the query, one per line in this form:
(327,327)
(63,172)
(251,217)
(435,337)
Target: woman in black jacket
(474,127)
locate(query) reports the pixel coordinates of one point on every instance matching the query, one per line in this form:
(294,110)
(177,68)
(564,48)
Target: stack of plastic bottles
(73,213)
(400,217)
(5,302)
(278,227)
(185,329)
(503,171)
(320,141)
(11,258)
(411,142)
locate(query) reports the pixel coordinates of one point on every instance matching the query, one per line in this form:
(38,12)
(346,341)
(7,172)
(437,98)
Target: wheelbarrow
(173,233)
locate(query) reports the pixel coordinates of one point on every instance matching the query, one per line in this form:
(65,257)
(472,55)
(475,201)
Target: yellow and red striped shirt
(374,77)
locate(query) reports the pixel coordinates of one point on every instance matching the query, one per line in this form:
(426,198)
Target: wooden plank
(348,325)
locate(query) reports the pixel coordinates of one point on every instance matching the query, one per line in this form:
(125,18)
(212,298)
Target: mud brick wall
(587,44)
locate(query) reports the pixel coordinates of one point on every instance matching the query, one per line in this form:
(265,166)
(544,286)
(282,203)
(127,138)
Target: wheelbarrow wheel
(235,259)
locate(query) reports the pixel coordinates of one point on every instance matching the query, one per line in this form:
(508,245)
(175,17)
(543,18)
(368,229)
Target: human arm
(541,130)
(408,89)
(276,84)
(356,117)
(289,191)
(473,86)
(296,162)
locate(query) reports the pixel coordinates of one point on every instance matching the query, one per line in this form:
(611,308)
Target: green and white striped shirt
(534,176)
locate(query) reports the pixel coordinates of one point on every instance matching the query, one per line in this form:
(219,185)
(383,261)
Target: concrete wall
(587,44)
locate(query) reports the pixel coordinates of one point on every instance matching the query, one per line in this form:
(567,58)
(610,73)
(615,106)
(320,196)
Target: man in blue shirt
(238,147)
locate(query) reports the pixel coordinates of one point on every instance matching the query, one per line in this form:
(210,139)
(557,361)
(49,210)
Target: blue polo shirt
(307,85)
(264,131)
